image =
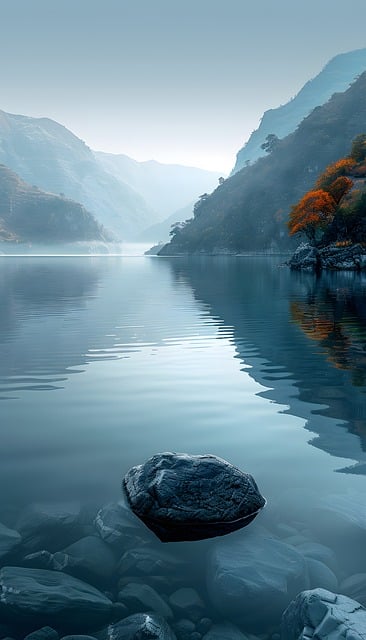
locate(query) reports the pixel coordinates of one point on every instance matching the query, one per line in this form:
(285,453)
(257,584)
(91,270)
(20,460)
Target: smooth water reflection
(105,361)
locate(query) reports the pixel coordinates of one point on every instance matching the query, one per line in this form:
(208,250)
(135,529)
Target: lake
(105,361)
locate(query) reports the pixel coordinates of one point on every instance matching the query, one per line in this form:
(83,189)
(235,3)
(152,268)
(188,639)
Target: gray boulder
(50,526)
(191,497)
(36,597)
(89,559)
(141,626)
(253,578)
(323,615)
(119,527)
(187,603)
(147,561)
(355,587)
(141,597)
(306,258)
(9,541)
(320,575)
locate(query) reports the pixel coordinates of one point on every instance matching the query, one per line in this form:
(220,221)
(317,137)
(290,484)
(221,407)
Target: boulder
(50,526)
(323,615)
(191,497)
(37,597)
(320,575)
(355,587)
(146,626)
(9,541)
(119,527)
(187,603)
(147,561)
(306,258)
(45,633)
(89,559)
(252,579)
(319,552)
(141,597)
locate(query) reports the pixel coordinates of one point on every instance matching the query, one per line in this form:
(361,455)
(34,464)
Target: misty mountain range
(123,195)
(100,195)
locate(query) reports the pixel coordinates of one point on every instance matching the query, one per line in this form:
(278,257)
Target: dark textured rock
(186,497)
(306,258)
(36,597)
(45,633)
(141,626)
(50,526)
(119,527)
(323,615)
(184,629)
(204,625)
(141,597)
(251,570)
(9,541)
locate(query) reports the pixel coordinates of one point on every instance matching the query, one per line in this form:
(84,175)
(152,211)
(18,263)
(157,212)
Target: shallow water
(105,361)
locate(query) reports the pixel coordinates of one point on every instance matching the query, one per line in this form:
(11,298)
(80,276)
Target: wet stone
(9,541)
(184,628)
(36,598)
(148,561)
(191,497)
(142,597)
(50,526)
(144,626)
(118,526)
(187,602)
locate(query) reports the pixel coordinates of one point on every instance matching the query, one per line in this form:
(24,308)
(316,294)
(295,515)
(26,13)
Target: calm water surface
(105,361)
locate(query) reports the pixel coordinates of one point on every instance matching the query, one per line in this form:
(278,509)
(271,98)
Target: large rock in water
(323,615)
(36,597)
(141,626)
(191,497)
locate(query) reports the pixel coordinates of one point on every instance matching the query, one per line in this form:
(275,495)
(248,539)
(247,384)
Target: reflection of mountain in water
(57,315)
(304,337)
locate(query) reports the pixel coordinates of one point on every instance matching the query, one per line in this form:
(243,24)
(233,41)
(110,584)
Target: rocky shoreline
(333,257)
(71,571)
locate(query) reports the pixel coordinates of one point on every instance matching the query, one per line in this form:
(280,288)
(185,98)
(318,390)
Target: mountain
(166,187)
(45,153)
(334,78)
(250,209)
(160,231)
(28,214)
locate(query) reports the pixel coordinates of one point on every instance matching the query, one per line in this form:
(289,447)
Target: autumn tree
(312,214)
(339,168)
(339,188)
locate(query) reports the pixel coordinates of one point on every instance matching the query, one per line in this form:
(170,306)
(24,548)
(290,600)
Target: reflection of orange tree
(318,325)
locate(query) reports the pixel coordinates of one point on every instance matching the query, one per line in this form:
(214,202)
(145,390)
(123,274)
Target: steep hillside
(160,231)
(335,77)
(28,214)
(166,187)
(46,154)
(249,210)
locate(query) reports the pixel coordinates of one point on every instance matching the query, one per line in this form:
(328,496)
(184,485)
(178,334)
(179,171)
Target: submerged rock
(36,597)
(186,602)
(191,497)
(119,527)
(147,561)
(9,541)
(355,587)
(253,578)
(50,526)
(146,626)
(89,559)
(323,615)
(141,597)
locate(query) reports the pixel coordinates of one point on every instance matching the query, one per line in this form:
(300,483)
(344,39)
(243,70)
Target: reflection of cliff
(321,379)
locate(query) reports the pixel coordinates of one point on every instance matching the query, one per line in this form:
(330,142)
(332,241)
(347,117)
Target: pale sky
(182,82)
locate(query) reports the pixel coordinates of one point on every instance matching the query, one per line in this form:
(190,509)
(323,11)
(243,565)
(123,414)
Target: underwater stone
(50,526)
(37,597)
(146,626)
(45,633)
(191,497)
(119,527)
(322,614)
(141,597)
(9,541)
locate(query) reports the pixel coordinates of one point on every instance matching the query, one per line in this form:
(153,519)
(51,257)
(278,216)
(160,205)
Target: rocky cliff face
(335,77)
(46,154)
(28,214)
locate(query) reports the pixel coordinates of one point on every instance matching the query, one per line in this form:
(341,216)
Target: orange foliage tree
(339,168)
(313,212)
(339,188)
